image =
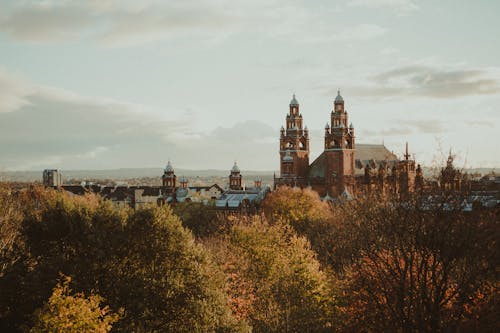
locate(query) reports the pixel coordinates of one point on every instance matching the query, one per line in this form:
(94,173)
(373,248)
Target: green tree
(167,282)
(307,214)
(76,313)
(61,233)
(201,219)
(143,261)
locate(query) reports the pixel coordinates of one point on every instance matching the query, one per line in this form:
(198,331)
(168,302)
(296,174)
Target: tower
(407,174)
(339,151)
(235,178)
(52,177)
(451,177)
(168,178)
(294,146)
(184,182)
(258,182)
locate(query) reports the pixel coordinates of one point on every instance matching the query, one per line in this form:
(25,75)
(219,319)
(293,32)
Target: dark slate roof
(151,191)
(75,189)
(365,152)
(206,188)
(370,154)
(318,168)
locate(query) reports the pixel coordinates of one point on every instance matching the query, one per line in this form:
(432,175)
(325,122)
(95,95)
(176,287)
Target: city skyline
(114,84)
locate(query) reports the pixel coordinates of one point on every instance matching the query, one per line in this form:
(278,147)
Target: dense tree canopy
(144,262)
(274,279)
(372,264)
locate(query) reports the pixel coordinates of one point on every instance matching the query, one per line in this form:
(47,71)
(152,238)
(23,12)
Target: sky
(123,84)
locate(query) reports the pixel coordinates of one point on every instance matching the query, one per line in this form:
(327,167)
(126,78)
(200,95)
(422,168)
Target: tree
(413,265)
(142,261)
(76,313)
(307,214)
(167,282)
(60,234)
(294,205)
(274,279)
(201,219)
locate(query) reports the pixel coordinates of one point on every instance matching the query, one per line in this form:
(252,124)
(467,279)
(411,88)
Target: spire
(294,101)
(339,98)
(169,167)
(235,167)
(406,154)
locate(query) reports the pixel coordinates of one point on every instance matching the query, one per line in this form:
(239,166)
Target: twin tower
(332,173)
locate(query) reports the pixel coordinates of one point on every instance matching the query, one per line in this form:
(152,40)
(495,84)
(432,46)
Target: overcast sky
(117,84)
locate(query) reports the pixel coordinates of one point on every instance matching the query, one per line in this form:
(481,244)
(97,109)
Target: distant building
(211,192)
(235,178)
(451,178)
(344,167)
(52,177)
(239,199)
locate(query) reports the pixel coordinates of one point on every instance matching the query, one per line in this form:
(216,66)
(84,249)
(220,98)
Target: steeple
(339,135)
(407,155)
(169,178)
(339,98)
(294,144)
(339,150)
(235,178)
(184,182)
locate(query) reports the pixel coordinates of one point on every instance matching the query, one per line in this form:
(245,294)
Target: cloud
(400,6)
(13,92)
(426,81)
(251,131)
(50,127)
(408,127)
(110,22)
(122,23)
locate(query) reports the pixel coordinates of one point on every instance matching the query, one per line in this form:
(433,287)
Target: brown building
(344,167)
(235,178)
(451,178)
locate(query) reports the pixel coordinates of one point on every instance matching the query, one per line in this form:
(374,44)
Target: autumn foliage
(373,264)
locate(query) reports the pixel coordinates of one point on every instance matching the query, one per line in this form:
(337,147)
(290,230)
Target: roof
(375,152)
(75,189)
(206,188)
(294,101)
(151,191)
(169,167)
(235,167)
(339,97)
(233,198)
(371,154)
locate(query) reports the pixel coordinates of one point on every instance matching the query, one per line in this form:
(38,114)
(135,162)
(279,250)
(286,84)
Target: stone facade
(344,168)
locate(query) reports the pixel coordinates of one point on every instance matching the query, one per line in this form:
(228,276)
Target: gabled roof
(206,188)
(375,152)
(371,154)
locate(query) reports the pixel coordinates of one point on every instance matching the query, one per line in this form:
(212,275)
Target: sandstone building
(344,167)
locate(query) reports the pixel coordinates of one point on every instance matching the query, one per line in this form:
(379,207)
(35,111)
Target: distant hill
(131,173)
(127,173)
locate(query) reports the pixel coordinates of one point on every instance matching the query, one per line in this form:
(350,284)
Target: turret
(339,150)
(184,182)
(235,178)
(294,143)
(169,178)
